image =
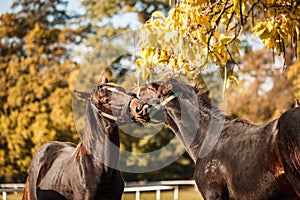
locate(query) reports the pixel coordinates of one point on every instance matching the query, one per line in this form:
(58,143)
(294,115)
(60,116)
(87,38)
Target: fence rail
(158,189)
(136,187)
(10,187)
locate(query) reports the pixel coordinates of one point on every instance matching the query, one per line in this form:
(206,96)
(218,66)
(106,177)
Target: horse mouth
(143,114)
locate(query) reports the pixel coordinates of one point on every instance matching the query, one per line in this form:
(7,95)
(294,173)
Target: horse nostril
(146,109)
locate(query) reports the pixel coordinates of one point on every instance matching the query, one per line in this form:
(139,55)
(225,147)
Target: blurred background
(45,44)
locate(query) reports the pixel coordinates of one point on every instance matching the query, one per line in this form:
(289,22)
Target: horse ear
(83,95)
(104,79)
(167,89)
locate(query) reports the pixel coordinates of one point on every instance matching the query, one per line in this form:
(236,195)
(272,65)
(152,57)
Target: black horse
(234,158)
(62,170)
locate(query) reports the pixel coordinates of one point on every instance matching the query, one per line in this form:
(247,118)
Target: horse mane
(93,129)
(81,150)
(207,105)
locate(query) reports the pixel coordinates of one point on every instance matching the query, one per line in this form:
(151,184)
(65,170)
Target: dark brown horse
(62,170)
(234,159)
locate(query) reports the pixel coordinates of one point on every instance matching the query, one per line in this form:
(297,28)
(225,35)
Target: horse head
(108,106)
(113,103)
(159,94)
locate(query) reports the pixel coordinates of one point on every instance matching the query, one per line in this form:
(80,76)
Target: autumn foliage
(40,43)
(196,32)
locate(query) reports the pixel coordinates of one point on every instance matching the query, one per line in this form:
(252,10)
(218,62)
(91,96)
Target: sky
(5,5)
(120,20)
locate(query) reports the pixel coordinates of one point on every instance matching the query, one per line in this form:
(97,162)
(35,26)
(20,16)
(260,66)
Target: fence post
(176,192)
(137,195)
(15,187)
(157,194)
(4,195)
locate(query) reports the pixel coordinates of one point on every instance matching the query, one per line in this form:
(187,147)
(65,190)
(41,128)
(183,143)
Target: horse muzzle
(139,111)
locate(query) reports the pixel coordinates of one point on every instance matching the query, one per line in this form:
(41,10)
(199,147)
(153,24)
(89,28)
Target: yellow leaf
(236,5)
(217,35)
(233,79)
(225,39)
(146,73)
(269,26)
(147,53)
(237,51)
(140,63)
(158,14)
(170,35)
(156,22)
(185,67)
(220,58)
(206,20)
(164,56)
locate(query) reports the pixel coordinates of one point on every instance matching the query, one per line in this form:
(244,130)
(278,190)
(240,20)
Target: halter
(138,94)
(109,116)
(106,115)
(156,108)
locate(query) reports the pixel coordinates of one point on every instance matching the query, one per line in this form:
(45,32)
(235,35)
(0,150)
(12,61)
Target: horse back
(41,163)
(244,164)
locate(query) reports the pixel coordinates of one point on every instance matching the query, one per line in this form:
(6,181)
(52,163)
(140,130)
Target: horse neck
(101,138)
(191,125)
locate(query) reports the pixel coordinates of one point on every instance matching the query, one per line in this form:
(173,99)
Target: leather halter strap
(106,115)
(156,108)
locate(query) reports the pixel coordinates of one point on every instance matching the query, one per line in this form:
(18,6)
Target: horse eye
(150,88)
(104,101)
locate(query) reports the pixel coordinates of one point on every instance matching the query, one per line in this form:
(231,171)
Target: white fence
(156,186)
(10,187)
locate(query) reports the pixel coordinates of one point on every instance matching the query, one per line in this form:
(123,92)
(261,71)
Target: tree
(195,33)
(100,15)
(262,93)
(112,56)
(36,76)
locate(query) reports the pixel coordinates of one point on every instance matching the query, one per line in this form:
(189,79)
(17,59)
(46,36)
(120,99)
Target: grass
(12,196)
(188,193)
